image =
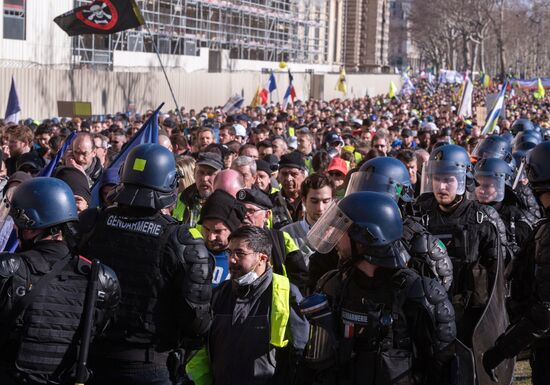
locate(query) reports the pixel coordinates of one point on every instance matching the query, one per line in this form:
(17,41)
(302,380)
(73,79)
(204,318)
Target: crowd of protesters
(264,168)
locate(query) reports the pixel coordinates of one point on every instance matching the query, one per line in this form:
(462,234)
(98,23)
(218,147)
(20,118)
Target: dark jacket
(473,243)
(239,340)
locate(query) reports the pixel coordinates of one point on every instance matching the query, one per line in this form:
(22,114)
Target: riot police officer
(520,195)
(164,269)
(469,230)
(391,177)
(492,176)
(43,288)
(530,294)
(374,321)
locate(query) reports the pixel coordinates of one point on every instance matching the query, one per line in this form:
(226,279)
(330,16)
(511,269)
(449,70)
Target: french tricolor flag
(290,92)
(269,87)
(348,329)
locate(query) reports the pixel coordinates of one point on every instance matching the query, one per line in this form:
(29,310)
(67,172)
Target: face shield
(368,181)
(443,177)
(329,229)
(489,187)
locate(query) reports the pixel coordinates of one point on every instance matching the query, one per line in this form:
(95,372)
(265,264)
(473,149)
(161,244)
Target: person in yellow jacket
(258,334)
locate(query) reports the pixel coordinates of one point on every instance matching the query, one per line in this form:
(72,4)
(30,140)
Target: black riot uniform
(392,326)
(429,256)
(494,187)
(164,269)
(43,289)
(530,295)
(476,247)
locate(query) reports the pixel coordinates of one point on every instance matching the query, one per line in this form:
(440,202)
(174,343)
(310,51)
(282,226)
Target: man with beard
(286,259)
(258,334)
(188,206)
(469,231)
(219,217)
(287,204)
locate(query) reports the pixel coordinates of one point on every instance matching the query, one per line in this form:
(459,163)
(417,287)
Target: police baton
(88,316)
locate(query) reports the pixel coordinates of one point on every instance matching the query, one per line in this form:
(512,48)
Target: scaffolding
(266,30)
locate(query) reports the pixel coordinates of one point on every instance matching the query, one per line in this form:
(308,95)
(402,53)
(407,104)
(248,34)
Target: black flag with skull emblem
(101,17)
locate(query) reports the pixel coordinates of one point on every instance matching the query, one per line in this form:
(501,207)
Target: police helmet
(522,124)
(372,220)
(508,137)
(385,175)
(148,178)
(526,140)
(538,168)
(40,203)
(450,161)
(491,176)
(493,147)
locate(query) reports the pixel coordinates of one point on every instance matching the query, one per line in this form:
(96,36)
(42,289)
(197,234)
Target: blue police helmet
(385,175)
(450,158)
(537,168)
(493,147)
(148,178)
(522,124)
(150,165)
(42,202)
(373,223)
(526,140)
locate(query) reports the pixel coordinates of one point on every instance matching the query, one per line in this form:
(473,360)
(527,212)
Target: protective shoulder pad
(9,264)
(434,292)
(414,225)
(488,212)
(188,235)
(329,283)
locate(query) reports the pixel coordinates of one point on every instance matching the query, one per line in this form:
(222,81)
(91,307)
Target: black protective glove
(491,359)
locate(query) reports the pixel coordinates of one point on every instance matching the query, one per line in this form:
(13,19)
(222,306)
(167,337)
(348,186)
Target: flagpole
(164,71)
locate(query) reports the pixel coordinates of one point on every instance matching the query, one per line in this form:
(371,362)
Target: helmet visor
(443,176)
(329,229)
(489,187)
(369,181)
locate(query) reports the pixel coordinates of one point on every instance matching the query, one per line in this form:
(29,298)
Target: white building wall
(45,44)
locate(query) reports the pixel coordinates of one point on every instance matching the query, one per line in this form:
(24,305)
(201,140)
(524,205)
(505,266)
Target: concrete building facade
(402,51)
(366,35)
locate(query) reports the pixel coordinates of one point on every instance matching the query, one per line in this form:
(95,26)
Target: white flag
(465,108)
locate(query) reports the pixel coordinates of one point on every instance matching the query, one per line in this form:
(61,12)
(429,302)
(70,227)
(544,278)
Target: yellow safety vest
(199,368)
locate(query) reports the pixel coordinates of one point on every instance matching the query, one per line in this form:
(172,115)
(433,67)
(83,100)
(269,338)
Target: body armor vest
(118,240)
(49,333)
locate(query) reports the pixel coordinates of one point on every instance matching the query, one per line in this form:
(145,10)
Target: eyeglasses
(240,254)
(82,153)
(252,211)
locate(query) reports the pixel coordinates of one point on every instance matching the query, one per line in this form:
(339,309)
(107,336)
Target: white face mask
(247,278)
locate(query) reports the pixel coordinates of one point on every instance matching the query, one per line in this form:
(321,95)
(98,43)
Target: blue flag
(13,108)
(47,171)
(272,84)
(148,133)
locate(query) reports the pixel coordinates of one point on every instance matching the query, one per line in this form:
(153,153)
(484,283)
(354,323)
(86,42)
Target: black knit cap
(224,207)
(262,165)
(77,181)
(292,160)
